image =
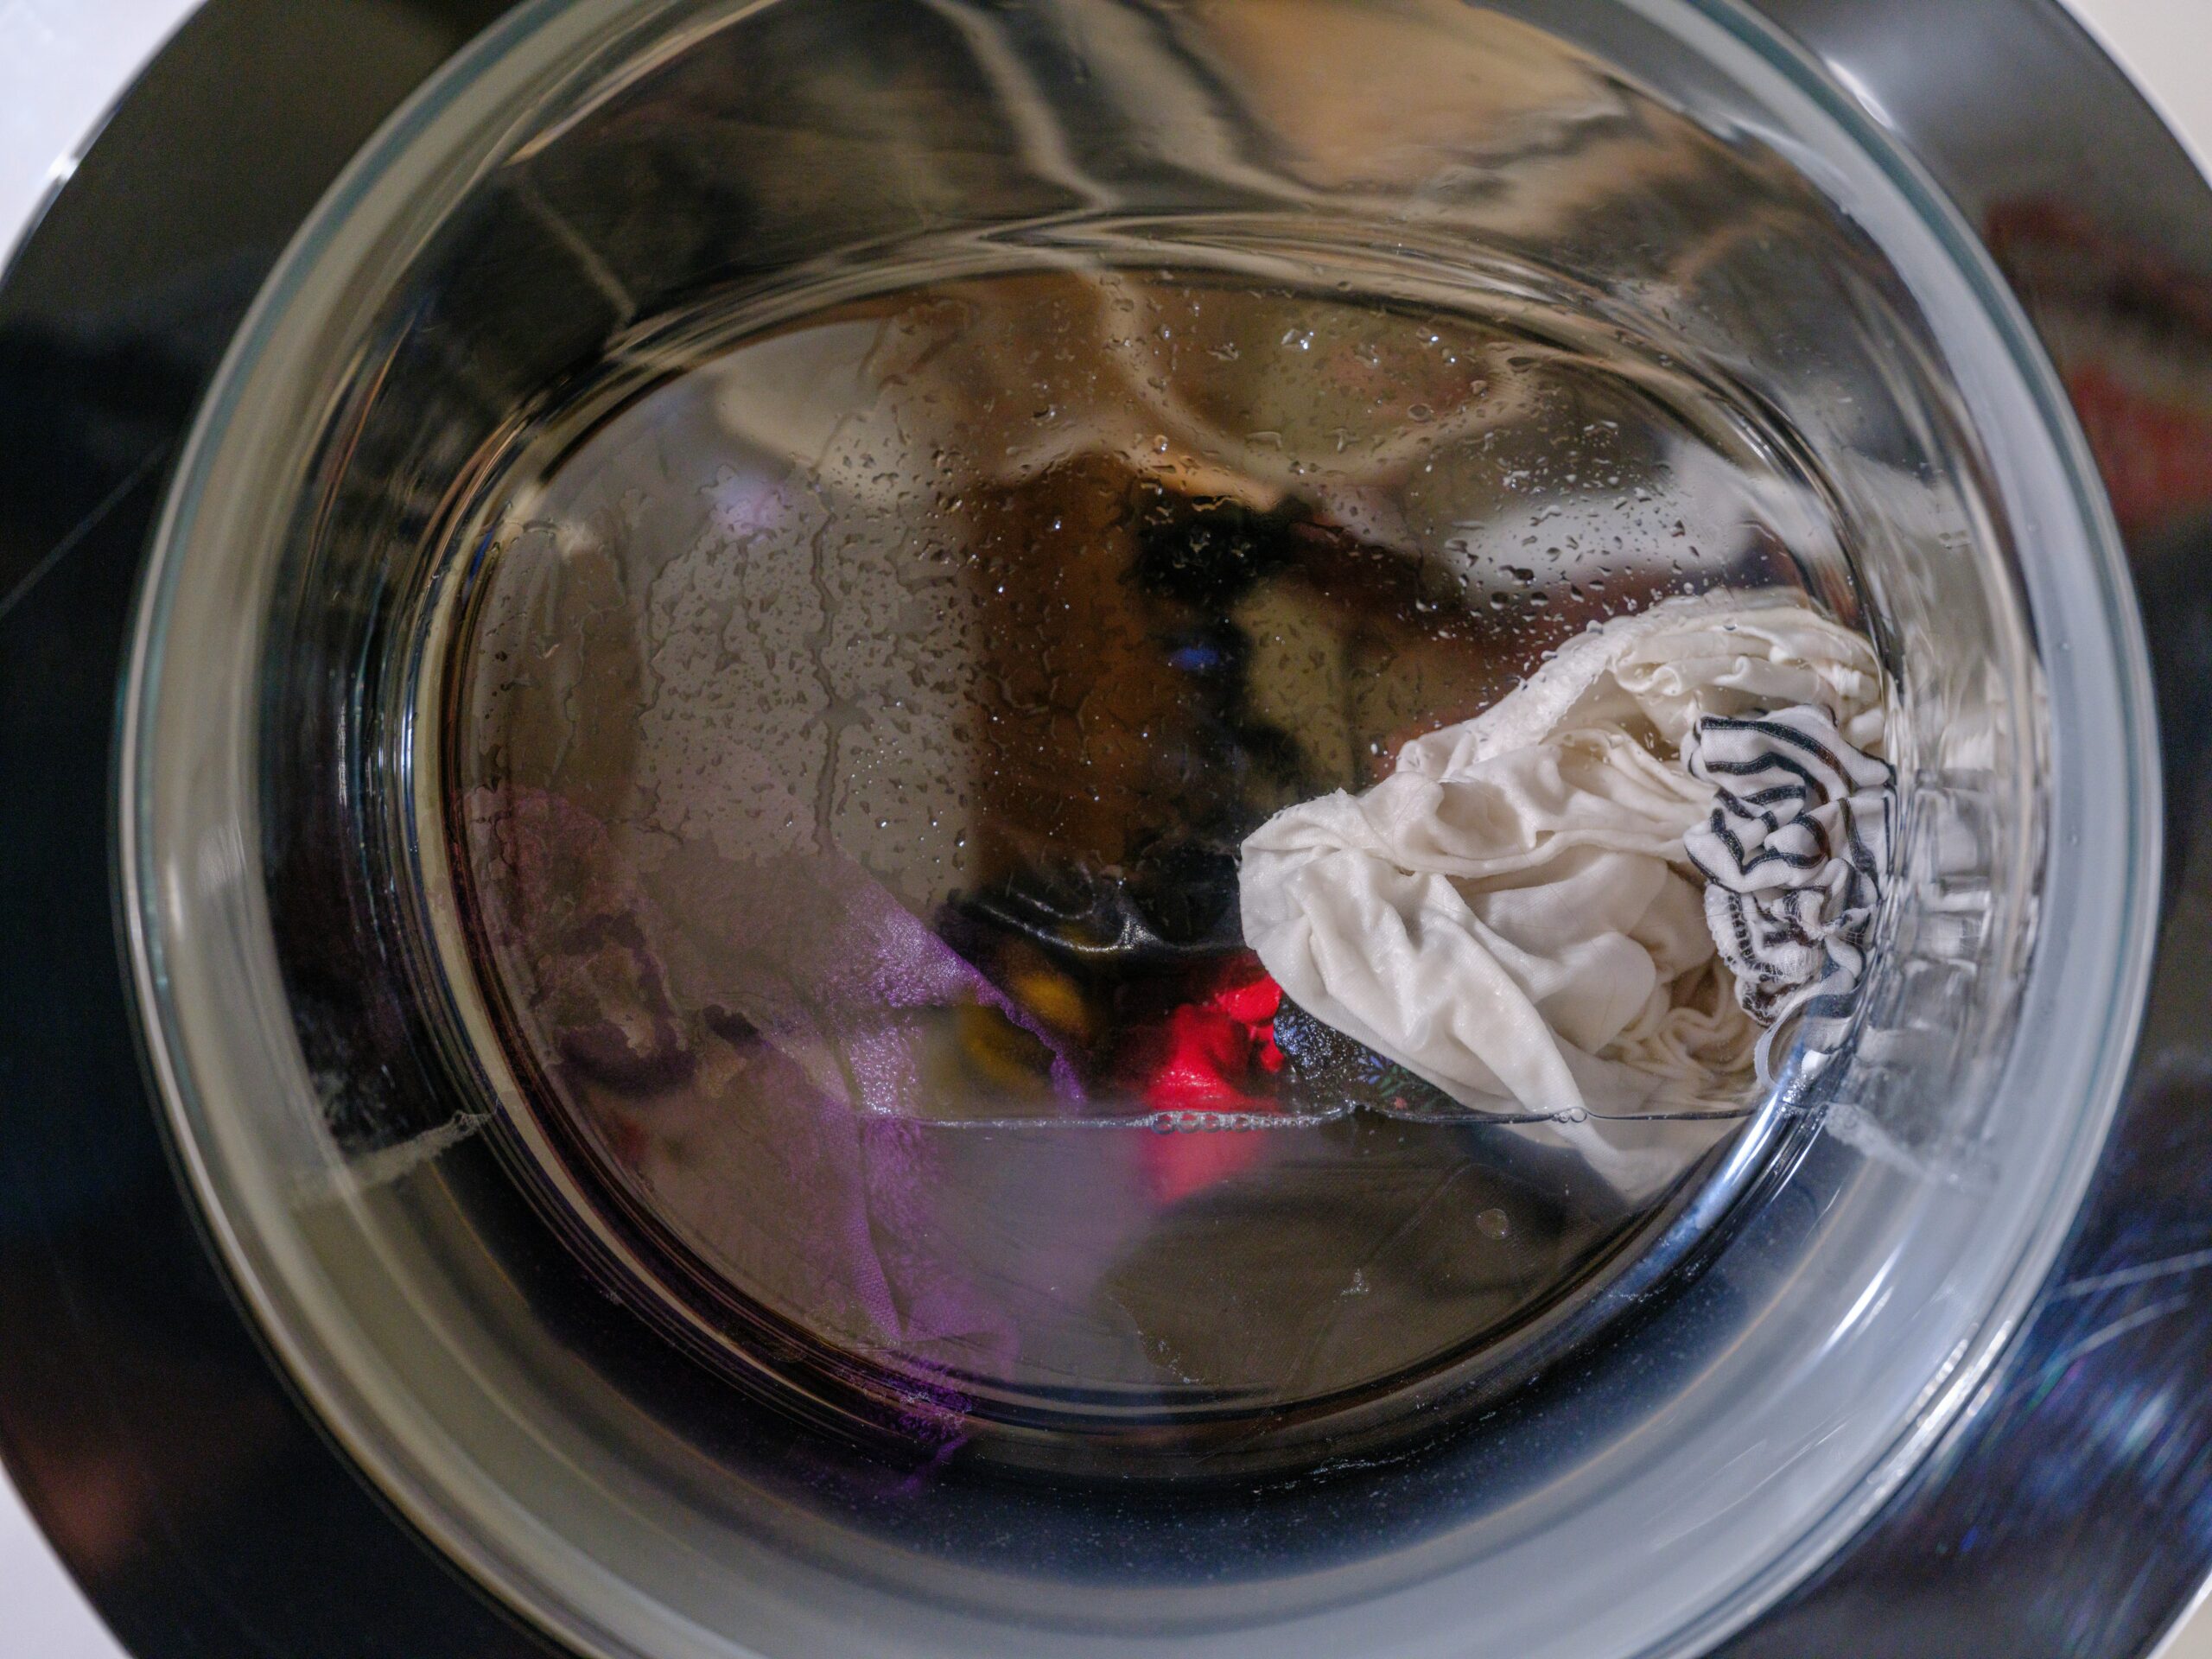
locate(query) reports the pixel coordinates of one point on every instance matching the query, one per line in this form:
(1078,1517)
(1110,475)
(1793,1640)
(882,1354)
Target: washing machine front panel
(222,1520)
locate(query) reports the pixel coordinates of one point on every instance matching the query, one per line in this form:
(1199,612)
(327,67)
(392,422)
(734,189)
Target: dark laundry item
(1180,906)
(1325,1068)
(1209,552)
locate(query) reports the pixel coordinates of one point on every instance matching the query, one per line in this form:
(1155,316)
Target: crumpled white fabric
(1511,913)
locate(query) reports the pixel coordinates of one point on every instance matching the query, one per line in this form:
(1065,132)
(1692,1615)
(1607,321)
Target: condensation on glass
(702,684)
(851,734)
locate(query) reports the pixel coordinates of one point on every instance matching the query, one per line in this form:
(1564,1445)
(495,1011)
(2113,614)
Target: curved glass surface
(561,481)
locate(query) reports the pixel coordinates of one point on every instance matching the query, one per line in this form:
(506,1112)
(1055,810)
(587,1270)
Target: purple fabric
(619,965)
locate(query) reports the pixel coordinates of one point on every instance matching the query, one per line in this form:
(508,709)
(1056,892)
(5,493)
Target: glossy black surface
(191,1495)
(2069,1512)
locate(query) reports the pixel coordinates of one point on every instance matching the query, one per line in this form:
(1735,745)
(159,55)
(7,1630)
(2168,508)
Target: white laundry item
(1797,855)
(1511,914)
(1719,653)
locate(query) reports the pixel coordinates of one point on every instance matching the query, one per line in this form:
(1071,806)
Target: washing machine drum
(1278,828)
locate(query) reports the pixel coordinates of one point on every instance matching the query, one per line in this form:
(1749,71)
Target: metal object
(2118,1313)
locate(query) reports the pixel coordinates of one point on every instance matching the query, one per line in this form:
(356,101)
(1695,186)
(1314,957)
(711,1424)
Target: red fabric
(1254,1004)
(1209,1055)
(1217,1056)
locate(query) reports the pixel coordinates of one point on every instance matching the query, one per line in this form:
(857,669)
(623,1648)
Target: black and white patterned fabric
(1796,856)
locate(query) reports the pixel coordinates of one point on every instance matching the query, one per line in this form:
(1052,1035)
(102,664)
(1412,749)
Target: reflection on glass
(857,730)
